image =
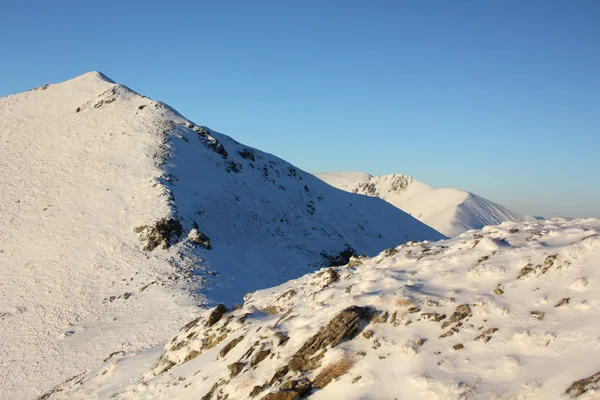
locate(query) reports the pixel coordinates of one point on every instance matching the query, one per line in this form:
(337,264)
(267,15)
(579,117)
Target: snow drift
(450,211)
(119,216)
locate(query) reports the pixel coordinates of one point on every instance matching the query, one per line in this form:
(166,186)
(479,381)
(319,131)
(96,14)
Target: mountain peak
(95,75)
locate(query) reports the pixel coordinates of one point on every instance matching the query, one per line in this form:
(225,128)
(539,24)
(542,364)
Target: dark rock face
(216,315)
(342,258)
(164,233)
(342,326)
(581,386)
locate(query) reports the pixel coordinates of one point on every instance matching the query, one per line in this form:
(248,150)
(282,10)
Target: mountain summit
(119,217)
(450,211)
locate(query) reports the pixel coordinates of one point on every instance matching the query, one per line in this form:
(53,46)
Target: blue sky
(501,98)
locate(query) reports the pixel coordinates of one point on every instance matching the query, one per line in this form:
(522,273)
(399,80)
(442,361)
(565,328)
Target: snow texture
(507,312)
(119,217)
(449,211)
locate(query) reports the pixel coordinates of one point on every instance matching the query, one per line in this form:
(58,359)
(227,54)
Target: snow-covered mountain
(119,217)
(507,312)
(450,211)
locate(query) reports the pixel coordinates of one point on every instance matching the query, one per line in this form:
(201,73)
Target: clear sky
(499,97)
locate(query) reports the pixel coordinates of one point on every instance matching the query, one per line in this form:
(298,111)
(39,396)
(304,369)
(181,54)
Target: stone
(581,386)
(235,368)
(345,325)
(215,315)
(227,348)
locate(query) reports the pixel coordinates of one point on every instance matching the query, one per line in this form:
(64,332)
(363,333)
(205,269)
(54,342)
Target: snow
(488,288)
(449,211)
(86,163)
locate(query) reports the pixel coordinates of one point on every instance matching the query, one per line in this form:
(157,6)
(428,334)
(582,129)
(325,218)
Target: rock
(282,338)
(462,312)
(256,391)
(164,233)
(247,154)
(563,301)
(235,368)
(433,317)
(301,386)
(499,291)
(414,309)
(258,357)
(538,314)
(344,325)
(581,386)
(216,315)
(368,334)
(227,348)
(458,346)
(342,258)
(446,334)
(281,396)
(200,238)
(331,276)
(420,342)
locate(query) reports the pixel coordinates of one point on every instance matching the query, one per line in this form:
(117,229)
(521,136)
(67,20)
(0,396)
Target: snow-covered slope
(450,211)
(113,207)
(507,312)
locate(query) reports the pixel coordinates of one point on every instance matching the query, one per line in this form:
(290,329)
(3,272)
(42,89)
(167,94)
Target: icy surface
(507,312)
(119,217)
(449,211)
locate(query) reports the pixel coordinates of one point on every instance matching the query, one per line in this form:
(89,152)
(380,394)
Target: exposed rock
(281,396)
(458,346)
(462,312)
(260,356)
(236,368)
(368,334)
(282,338)
(216,315)
(301,386)
(247,154)
(581,386)
(227,348)
(342,258)
(433,316)
(344,325)
(330,274)
(200,238)
(498,291)
(538,314)
(563,302)
(164,233)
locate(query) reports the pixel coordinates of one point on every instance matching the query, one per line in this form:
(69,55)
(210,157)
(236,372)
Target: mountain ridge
(122,217)
(448,210)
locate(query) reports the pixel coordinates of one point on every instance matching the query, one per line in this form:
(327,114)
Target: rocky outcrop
(163,234)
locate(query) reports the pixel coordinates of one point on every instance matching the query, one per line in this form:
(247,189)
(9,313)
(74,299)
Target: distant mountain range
(449,211)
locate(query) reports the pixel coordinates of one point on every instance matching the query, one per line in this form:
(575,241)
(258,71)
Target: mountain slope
(507,312)
(119,216)
(450,211)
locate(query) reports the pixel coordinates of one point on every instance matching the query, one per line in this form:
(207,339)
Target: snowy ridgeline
(449,211)
(119,217)
(507,312)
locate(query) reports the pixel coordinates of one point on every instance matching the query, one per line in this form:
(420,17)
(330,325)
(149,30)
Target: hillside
(507,312)
(120,217)
(449,211)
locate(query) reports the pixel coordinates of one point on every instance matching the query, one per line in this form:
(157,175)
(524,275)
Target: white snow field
(119,217)
(506,312)
(449,211)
